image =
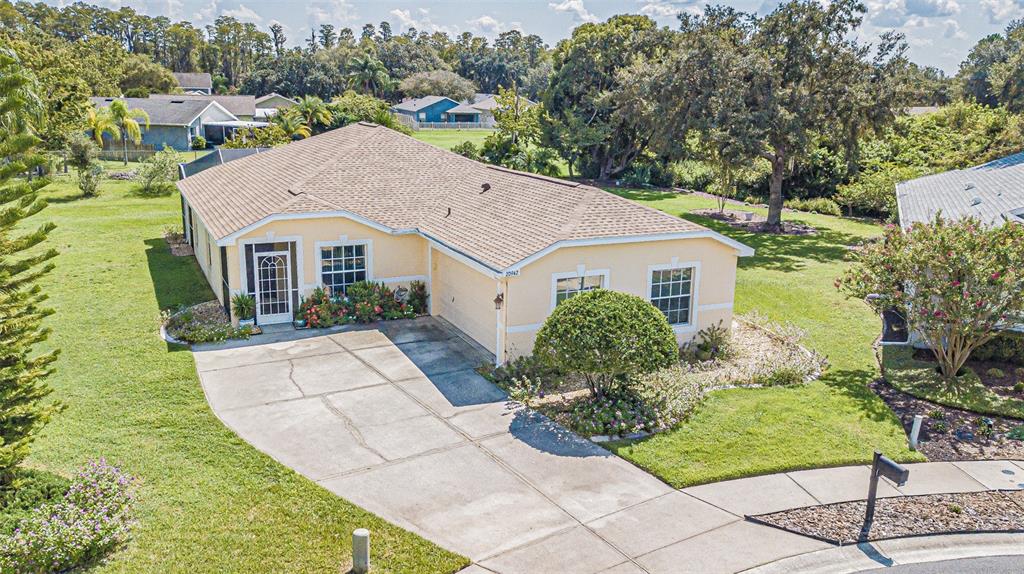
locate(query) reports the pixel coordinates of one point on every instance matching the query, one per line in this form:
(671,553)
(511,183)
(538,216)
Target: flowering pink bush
(96,516)
(956,282)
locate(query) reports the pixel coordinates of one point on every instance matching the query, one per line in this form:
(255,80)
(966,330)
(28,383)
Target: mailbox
(882,466)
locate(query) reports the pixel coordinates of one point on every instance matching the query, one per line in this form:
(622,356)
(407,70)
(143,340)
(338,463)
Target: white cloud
(173,9)
(953,30)
(669,8)
(244,13)
(208,13)
(330,12)
(486,24)
(1002,11)
(421,21)
(574,7)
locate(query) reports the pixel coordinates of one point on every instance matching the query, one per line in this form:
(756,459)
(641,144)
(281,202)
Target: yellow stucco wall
(464,297)
(529,296)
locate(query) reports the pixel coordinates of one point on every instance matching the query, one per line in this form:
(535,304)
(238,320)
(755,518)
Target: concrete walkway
(397,421)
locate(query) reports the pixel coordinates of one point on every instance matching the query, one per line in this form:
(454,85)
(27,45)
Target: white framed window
(342,263)
(423,116)
(672,289)
(567,285)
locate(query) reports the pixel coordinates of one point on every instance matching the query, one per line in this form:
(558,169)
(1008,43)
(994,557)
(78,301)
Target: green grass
(834,421)
(448,139)
(920,379)
(209,502)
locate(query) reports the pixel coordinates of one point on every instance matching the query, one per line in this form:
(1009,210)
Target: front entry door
(273,291)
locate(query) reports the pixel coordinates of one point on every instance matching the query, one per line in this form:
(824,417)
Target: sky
(940,32)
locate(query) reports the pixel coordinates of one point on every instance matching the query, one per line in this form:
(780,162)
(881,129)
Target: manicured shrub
(95,516)
(31,489)
(363,302)
(467,149)
(199,143)
(995,372)
(605,337)
(1006,347)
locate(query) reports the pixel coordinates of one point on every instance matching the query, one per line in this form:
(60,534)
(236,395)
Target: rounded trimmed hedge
(606,337)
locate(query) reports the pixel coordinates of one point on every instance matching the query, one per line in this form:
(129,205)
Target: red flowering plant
(956,282)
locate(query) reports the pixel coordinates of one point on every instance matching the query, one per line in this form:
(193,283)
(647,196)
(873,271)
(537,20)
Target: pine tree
(23,261)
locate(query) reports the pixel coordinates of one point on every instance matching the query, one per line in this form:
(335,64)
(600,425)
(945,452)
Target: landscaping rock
(841,523)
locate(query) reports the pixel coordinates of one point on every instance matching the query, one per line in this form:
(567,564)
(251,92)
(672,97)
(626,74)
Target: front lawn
(919,378)
(209,501)
(447,139)
(834,421)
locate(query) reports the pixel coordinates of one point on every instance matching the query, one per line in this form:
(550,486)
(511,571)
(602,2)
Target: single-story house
(242,107)
(485,104)
(275,101)
(428,109)
(498,249)
(992,192)
(173,121)
(194,83)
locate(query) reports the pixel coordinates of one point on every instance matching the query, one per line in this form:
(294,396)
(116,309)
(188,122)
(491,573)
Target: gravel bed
(841,523)
(939,439)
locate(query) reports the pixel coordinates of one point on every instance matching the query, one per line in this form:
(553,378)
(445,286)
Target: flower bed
(95,516)
(203,323)
(363,302)
(754,353)
(896,517)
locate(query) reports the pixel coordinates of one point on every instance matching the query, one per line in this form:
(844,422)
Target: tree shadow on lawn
(784,253)
(853,384)
(176,280)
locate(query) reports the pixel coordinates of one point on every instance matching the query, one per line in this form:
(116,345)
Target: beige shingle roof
(403,184)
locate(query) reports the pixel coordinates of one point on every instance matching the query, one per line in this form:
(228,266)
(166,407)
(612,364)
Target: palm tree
(127,122)
(369,74)
(293,125)
(313,112)
(99,122)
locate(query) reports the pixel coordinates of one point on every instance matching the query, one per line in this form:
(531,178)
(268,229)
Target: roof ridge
(555,180)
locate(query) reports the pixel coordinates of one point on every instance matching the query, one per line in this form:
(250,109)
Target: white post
(361,551)
(915,431)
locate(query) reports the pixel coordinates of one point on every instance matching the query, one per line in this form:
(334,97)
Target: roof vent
(449,212)
(969,185)
(975,201)
(485,187)
(177,101)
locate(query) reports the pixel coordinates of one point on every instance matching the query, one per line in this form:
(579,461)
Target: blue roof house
(428,109)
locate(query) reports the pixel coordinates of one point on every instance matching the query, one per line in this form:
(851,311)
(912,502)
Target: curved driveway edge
(395,419)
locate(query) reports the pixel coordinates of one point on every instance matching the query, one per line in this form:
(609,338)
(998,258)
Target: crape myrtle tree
(23,390)
(956,282)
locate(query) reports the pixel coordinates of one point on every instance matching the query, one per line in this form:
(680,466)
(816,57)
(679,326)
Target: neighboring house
(269,105)
(242,107)
(275,101)
(197,83)
(991,192)
(172,121)
(485,104)
(497,249)
(428,109)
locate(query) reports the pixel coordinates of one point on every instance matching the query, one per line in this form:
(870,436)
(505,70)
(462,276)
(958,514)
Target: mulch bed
(897,517)
(179,247)
(940,439)
(754,222)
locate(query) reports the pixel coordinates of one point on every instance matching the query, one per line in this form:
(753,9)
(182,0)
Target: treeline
(244,58)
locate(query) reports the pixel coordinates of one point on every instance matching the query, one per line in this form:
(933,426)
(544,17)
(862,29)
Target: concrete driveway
(397,420)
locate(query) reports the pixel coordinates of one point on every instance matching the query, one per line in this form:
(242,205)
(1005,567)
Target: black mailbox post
(882,466)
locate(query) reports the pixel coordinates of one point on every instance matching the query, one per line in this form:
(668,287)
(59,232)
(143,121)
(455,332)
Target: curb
(886,553)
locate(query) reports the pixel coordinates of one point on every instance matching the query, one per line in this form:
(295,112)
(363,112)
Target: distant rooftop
(991,192)
(237,105)
(176,111)
(418,104)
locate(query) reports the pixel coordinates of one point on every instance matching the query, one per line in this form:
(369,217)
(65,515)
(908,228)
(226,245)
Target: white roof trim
(741,249)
